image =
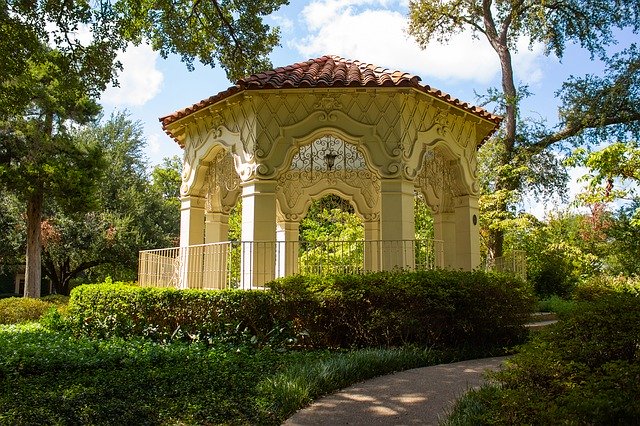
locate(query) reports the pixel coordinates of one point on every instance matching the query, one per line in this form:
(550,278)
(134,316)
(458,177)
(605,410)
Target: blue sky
(371,31)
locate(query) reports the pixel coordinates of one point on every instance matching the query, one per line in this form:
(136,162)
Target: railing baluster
(248,265)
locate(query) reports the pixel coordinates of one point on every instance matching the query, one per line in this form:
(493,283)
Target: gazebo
(283,138)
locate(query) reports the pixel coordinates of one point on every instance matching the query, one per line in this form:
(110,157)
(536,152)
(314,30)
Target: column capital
(192,202)
(466,201)
(257,186)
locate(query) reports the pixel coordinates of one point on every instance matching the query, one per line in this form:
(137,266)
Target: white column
(216,227)
(372,245)
(397,229)
(467,232)
(216,253)
(287,235)
(191,233)
(444,229)
(258,233)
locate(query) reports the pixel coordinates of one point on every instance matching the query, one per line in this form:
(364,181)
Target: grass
(54,378)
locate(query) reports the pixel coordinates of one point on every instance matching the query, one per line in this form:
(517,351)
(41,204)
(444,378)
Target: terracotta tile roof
(327,71)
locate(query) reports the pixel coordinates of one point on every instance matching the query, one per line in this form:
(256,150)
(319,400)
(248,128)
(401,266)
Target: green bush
(121,310)
(583,370)
(552,274)
(444,308)
(14,310)
(599,286)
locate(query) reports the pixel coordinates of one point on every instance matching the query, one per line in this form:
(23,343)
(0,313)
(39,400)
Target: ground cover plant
(54,378)
(583,370)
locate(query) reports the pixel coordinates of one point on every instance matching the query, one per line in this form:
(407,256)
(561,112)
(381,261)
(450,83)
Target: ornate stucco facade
(282,139)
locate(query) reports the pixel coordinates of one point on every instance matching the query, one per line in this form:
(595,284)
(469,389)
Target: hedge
(438,308)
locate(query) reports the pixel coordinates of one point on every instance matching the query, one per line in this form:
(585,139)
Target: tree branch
(571,130)
(232,31)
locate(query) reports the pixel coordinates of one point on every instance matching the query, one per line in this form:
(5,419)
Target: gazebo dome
(285,137)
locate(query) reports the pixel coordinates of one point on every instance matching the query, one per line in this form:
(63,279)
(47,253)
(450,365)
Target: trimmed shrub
(120,310)
(442,308)
(583,370)
(14,310)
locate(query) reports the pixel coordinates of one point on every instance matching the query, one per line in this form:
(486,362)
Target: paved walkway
(421,396)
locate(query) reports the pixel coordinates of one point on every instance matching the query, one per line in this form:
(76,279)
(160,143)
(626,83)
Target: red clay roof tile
(327,71)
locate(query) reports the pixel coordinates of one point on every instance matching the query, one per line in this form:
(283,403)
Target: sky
(371,31)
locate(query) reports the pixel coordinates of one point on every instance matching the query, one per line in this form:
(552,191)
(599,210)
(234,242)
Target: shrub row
(441,308)
(584,370)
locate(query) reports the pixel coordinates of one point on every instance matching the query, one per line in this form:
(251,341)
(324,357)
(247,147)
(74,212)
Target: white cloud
(527,62)
(283,22)
(375,31)
(140,81)
(153,143)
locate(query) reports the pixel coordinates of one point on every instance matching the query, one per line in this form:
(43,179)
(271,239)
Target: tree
(502,24)
(130,213)
(52,80)
(230,33)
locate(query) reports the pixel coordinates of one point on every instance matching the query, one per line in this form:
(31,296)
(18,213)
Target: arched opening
(331,237)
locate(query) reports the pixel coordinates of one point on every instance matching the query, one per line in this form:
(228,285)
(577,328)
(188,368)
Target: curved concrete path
(421,396)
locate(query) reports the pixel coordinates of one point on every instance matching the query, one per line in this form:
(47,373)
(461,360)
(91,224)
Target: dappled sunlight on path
(419,396)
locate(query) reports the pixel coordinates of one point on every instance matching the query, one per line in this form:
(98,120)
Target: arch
(302,181)
(318,124)
(198,155)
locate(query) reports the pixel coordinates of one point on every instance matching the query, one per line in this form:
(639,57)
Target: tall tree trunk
(498,40)
(33,271)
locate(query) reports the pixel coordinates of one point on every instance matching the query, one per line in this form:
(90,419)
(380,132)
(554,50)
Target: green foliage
(600,286)
(583,370)
(554,25)
(102,382)
(624,241)
(231,34)
(444,308)
(555,304)
(136,381)
(14,310)
(129,213)
(122,310)
(561,251)
(331,219)
(520,156)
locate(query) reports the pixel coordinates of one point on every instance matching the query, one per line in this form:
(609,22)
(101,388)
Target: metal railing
(250,264)
(514,262)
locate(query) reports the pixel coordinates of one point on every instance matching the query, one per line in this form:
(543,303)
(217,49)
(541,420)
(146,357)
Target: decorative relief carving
(438,181)
(328,162)
(328,103)
(223,183)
